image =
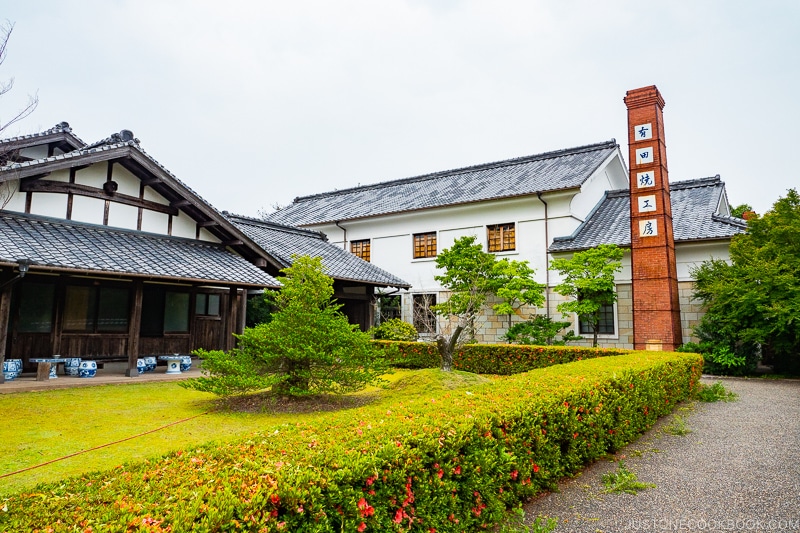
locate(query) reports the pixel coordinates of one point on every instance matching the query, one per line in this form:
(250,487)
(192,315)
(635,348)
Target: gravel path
(738,470)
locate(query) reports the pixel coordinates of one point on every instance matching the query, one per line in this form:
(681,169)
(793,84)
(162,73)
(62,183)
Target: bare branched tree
(9,187)
(5,86)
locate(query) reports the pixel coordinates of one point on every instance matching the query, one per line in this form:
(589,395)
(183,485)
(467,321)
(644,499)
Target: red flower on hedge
(362,527)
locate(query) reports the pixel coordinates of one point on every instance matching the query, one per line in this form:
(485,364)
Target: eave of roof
(106,150)
(282,241)
(693,217)
(64,246)
(519,177)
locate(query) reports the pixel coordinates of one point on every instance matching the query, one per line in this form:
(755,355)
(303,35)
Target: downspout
(23,266)
(546,260)
(344,234)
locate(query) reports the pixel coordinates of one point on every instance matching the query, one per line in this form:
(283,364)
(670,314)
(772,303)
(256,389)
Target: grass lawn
(43,426)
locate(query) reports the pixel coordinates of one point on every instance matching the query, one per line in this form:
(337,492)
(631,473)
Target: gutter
(546,257)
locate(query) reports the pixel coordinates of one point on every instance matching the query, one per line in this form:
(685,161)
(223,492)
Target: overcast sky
(254,103)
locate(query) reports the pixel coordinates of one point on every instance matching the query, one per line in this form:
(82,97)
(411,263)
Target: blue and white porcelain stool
(88,369)
(73,366)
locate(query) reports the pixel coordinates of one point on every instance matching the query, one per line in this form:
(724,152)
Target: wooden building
(104,254)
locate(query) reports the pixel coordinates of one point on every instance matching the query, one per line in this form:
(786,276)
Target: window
(424,317)
(96,309)
(424,245)
(207,304)
(36,308)
(164,312)
(360,248)
(389,307)
(605,326)
(176,312)
(501,237)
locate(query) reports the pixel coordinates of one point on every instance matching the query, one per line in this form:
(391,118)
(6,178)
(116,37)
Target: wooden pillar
(134,325)
(59,301)
(5,319)
(242,311)
(230,319)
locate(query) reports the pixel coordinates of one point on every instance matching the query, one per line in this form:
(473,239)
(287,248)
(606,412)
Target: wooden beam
(152,181)
(48,186)
(208,223)
(234,242)
(180,203)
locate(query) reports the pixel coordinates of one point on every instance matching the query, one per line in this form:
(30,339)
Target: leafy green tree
(514,284)
(740,210)
(307,348)
(755,299)
(471,275)
(588,278)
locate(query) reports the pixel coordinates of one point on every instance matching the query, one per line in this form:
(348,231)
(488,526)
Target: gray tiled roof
(60,128)
(562,169)
(282,242)
(60,244)
(694,218)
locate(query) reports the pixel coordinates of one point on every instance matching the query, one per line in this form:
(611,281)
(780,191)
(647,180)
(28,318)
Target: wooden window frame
(361,248)
(501,237)
(424,245)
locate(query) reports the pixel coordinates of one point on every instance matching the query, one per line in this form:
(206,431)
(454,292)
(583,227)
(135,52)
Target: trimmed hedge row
(446,461)
(502,359)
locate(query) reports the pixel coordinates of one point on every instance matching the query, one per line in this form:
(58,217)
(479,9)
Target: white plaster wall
(127,182)
(93,176)
(86,209)
(155,222)
(34,152)
(153,196)
(206,235)
(49,205)
(59,175)
(184,226)
(692,255)
(17,201)
(123,216)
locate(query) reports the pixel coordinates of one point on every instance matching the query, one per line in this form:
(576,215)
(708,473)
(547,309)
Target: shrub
(395,329)
(720,358)
(502,359)
(308,347)
(449,460)
(540,330)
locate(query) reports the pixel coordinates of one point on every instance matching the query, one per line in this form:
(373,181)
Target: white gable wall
(92,210)
(17,200)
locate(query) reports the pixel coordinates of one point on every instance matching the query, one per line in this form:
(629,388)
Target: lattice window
(501,237)
(424,245)
(361,249)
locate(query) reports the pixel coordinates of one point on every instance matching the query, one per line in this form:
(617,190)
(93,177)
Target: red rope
(99,447)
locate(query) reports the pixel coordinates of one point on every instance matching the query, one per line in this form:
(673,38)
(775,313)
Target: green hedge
(445,461)
(502,359)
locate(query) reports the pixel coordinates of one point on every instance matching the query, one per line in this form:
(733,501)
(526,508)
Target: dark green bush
(394,329)
(503,359)
(446,460)
(540,330)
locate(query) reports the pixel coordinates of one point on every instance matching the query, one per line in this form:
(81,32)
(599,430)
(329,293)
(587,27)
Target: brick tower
(656,309)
